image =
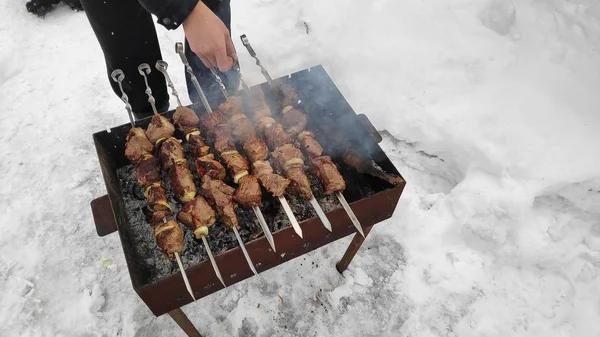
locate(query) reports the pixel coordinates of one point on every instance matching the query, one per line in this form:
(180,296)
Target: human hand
(209,38)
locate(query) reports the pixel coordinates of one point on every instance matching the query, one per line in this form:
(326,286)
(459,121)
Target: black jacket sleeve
(170,13)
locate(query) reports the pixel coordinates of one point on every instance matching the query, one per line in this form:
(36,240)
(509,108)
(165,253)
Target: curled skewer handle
(179,50)
(246,44)
(144,69)
(220,82)
(118,76)
(162,67)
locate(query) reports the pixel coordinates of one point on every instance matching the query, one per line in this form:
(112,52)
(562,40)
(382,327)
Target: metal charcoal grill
(373,200)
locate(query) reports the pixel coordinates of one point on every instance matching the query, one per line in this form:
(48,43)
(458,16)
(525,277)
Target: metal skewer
(246,44)
(184,275)
(212,260)
(144,69)
(179,50)
(162,67)
(118,76)
(350,213)
(257,211)
(241,243)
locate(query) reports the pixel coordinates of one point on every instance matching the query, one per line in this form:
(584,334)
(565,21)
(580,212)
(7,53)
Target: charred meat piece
(274,183)
(207,165)
(327,172)
(156,196)
(294,120)
(264,123)
(156,218)
(185,119)
(159,128)
(147,171)
(367,165)
(248,193)
(223,141)
(241,128)
(285,95)
(170,152)
(288,156)
(276,136)
(169,237)
(299,181)
(197,215)
(220,195)
(137,145)
(210,121)
(309,144)
(197,146)
(256,149)
(237,165)
(182,182)
(232,106)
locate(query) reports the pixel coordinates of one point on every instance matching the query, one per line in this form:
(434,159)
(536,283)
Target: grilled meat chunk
(256,149)
(156,218)
(309,144)
(264,123)
(220,195)
(207,165)
(288,156)
(241,128)
(169,237)
(197,146)
(327,172)
(299,181)
(197,215)
(294,120)
(274,183)
(137,145)
(156,196)
(223,141)
(210,121)
(159,128)
(232,106)
(248,193)
(185,119)
(147,171)
(285,95)
(237,165)
(182,182)
(170,152)
(276,136)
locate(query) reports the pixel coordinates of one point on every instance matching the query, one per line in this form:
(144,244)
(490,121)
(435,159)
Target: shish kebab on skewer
(138,149)
(288,158)
(196,212)
(212,173)
(295,121)
(238,165)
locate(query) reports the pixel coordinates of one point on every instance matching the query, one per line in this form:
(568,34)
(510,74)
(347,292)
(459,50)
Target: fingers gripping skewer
(118,76)
(246,44)
(183,274)
(190,71)
(162,67)
(257,211)
(144,69)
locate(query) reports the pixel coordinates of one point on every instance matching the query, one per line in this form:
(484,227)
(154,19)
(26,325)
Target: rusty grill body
(324,105)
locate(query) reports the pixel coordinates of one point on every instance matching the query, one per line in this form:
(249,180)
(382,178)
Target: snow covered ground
(488,108)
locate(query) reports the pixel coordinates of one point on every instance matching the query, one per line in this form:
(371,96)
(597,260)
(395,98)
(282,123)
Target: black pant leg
(126,33)
(211,89)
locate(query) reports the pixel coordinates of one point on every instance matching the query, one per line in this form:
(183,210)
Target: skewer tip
(184,275)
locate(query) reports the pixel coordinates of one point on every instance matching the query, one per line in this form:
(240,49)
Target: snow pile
(487,108)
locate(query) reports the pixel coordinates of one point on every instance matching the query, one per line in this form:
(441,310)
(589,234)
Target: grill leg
(355,244)
(184,323)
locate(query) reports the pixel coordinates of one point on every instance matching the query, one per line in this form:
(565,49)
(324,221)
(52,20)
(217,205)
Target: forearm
(170,13)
